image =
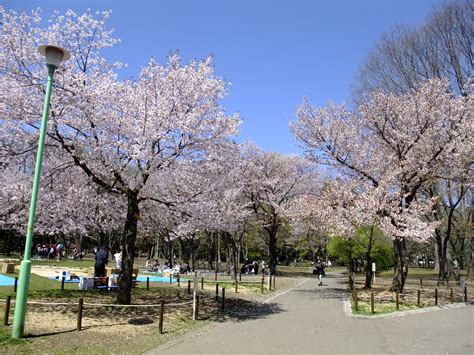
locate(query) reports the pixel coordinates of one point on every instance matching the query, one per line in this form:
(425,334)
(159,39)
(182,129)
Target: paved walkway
(311,320)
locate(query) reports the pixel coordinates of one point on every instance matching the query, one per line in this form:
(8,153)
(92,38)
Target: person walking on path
(319,269)
(101,259)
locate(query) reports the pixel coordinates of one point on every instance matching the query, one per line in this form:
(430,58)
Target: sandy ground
(49,271)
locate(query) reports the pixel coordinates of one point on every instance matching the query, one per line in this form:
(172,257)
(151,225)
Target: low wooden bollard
(354,296)
(178,280)
(372,303)
(421,283)
(7,310)
(274,282)
(418,300)
(106,283)
(202,283)
(189,287)
(15,285)
(262,283)
(236,286)
(147,283)
(223,298)
(451,295)
(436,296)
(196,317)
(63,279)
(160,320)
(217,292)
(80,307)
(397,301)
(465,294)
(171,278)
(215,276)
(240,277)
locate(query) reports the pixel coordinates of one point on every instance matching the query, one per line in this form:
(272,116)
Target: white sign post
(373,273)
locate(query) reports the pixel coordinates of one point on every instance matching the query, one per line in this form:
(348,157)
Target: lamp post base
(21,299)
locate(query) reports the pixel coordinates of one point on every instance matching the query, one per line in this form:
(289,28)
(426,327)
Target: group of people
(154,265)
(51,251)
(252,267)
(102,259)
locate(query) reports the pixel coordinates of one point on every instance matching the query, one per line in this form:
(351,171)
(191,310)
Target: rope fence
(81,307)
(424,298)
(219,300)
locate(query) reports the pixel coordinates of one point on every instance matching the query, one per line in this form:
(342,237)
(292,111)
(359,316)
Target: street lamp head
(54,54)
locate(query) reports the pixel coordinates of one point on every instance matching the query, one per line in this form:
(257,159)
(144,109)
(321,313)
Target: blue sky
(274,52)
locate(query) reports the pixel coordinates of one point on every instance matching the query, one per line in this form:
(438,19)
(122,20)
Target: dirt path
(309,319)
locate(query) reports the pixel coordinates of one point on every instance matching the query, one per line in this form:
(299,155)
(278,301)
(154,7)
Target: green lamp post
(54,56)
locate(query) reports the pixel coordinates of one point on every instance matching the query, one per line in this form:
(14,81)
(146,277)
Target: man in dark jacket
(101,259)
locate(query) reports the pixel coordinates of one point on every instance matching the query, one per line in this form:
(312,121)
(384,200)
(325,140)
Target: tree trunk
(230,251)
(124,294)
(210,248)
(184,251)
(9,243)
(219,260)
(369,274)
(401,265)
(436,257)
(350,267)
(272,248)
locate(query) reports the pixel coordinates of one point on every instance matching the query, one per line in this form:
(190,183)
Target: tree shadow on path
(239,310)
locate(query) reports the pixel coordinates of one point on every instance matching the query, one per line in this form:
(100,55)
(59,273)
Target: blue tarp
(6,280)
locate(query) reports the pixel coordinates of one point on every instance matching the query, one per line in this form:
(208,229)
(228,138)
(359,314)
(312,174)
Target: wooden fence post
(274,282)
(80,307)
(451,295)
(171,278)
(215,276)
(236,286)
(189,287)
(147,283)
(372,301)
(178,279)
(7,310)
(197,308)
(354,296)
(262,283)
(418,302)
(397,300)
(63,279)
(217,292)
(465,294)
(240,276)
(15,285)
(421,283)
(436,296)
(223,298)
(160,321)
(202,283)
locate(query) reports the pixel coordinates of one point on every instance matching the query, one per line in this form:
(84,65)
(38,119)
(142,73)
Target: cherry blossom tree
(398,142)
(119,133)
(271,181)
